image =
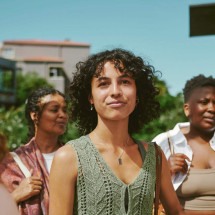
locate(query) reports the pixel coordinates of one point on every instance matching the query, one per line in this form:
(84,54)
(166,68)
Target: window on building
(55,71)
(8,53)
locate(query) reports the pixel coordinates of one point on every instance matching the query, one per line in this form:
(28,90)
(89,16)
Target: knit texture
(99,191)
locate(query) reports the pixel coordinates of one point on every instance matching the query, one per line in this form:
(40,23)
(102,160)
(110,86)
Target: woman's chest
(203,158)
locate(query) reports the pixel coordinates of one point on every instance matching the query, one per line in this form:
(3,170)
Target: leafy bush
(171,113)
(27,84)
(13,126)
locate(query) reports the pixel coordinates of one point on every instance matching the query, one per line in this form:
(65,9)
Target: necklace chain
(123,150)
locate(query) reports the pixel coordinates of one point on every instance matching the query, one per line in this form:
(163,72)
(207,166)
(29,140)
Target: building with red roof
(53,60)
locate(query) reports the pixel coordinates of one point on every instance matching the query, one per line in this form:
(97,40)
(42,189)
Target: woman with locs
(107,171)
(46,114)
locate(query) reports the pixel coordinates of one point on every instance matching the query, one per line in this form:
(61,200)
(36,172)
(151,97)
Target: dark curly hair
(33,105)
(125,61)
(197,82)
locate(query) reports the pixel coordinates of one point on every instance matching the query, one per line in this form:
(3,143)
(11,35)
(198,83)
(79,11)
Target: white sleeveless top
(48,158)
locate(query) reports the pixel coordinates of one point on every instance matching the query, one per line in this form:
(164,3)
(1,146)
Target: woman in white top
(190,148)
(46,114)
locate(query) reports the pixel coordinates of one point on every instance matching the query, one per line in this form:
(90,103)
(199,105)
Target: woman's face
(200,108)
(113,94)
(54,118)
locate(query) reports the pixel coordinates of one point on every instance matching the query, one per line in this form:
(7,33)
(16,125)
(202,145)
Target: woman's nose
(63,114)
(211,106)
(116,90)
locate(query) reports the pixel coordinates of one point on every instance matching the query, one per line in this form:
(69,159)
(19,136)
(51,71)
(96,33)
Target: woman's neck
(195,133)
(47,144)
(111,135)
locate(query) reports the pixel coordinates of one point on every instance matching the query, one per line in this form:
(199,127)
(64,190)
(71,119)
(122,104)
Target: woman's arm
(168,195)
(62,181)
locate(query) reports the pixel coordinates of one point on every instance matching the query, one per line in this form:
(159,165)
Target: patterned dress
(11,176)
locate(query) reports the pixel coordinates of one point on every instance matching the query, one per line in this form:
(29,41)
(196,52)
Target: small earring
(137,101)
(91,107)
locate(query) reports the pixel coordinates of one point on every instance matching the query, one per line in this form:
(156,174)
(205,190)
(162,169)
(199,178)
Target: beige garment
(7,205)
(197,192)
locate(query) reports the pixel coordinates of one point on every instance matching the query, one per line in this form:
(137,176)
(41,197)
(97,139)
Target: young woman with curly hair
(107,171)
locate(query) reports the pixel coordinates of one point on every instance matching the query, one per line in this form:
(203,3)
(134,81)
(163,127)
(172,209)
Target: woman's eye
(102,84)
(65,110)
(125,82)
(204,102)
(54,110)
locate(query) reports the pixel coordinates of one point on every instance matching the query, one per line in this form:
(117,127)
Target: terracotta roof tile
(45,43)
(43,59)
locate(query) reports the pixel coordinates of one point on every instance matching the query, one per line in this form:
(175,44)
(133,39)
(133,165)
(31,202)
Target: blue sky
(157,30)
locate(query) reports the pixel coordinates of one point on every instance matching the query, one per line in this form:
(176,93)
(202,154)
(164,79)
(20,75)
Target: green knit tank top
(100,192)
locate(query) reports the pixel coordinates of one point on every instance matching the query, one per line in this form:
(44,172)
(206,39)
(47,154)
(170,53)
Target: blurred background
(41,41)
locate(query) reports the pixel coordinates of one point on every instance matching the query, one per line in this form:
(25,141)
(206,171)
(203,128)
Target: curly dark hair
(33,105)
(125,61)
(197,82)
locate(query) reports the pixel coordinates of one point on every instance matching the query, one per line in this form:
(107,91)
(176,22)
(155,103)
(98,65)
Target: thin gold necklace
(123,150)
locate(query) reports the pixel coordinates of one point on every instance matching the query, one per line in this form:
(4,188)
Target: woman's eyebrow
(102,78)
(53,103)
(125,75)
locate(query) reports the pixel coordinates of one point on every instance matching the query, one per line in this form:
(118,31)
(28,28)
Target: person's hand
(27,188)
(177,163)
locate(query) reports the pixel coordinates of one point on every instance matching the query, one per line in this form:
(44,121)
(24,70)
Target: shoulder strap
(141,149)
(158,177)
(22,167)
(171,147)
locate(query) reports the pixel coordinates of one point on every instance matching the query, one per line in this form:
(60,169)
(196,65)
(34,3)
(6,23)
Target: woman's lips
(116,104)
(210,119)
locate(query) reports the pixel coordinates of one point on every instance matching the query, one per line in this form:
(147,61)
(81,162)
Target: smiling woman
(192,158)
(122,89)
(107,171)
(46,115)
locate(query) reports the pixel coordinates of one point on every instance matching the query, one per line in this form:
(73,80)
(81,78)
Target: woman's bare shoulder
(65,157)
(65,153)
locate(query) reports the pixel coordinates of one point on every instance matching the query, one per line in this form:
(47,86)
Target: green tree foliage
(171,113)
(71,133)
(13,126)
(26,84)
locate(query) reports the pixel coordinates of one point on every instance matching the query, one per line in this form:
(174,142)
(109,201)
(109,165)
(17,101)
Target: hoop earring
(91,107)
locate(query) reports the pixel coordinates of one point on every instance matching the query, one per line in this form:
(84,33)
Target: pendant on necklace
(120,161)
